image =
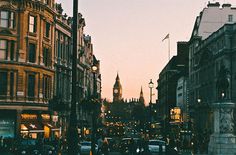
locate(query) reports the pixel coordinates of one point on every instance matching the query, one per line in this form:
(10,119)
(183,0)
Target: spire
(141,92)
(117,77)
(141,98)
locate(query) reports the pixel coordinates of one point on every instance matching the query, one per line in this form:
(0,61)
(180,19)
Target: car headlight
(138,150)
(23,152)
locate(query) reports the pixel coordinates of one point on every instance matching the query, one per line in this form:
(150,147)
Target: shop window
(6,19)
(3,49)
(3,85)
(31,86)
(32,24)
(32,53)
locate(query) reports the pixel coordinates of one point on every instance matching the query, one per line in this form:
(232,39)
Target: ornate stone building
(208,52)
(35,69)
(26,66)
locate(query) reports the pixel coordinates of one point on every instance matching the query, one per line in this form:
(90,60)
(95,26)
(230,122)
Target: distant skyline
(127,37)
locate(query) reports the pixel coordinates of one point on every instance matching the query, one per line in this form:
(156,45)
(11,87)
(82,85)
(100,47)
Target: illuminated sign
(175,114)
(45,116)
(28,116)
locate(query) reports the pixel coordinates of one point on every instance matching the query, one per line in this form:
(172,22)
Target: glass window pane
(12,15)
(31,28)
(31,86)
(3,44)
(4,14)
(4,23)
(2,54)
(32,53)
(3,83)
(31,20)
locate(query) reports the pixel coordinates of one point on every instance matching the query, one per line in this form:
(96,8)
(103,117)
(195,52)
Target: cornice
(27,64)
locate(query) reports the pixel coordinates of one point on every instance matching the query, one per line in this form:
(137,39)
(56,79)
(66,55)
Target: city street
(117,76)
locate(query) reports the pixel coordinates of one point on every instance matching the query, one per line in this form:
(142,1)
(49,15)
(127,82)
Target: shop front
(7,124)
(30,126)
(51,128)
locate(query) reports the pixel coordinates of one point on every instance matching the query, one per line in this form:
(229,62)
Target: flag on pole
(166,37)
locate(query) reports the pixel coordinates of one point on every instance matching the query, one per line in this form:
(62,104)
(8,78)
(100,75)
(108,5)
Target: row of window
(10,78)
(33,26)
(63,47)
(7,49)
(7,20)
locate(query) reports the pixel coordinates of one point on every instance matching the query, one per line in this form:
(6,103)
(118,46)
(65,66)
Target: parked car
(156,146)
(111,144)
(85,147)
(124,145)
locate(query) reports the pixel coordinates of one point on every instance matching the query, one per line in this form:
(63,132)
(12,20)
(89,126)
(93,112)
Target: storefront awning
(33,127)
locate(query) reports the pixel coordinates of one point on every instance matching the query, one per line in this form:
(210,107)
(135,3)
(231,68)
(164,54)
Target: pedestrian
(100,141)
(1,143)
(160,149)
(105,147)
(132,146)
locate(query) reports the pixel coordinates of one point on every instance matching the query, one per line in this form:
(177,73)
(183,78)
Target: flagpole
(169,48)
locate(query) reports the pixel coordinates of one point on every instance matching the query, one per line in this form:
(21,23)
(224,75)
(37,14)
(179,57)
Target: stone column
(223,141)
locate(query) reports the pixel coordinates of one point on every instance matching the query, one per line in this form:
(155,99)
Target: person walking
(100,142)
(105,147)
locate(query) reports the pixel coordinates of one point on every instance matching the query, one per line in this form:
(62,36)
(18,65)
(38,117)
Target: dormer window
(6,19)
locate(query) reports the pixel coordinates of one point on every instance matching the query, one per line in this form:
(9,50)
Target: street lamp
(94,111)
(150,85)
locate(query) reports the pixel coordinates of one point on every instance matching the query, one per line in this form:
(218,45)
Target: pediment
(5,32)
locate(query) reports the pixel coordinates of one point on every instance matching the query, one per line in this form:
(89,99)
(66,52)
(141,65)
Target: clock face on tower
(115,91)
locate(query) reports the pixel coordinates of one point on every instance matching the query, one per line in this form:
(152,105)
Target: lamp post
(150,85)
(94,111)
(72,129)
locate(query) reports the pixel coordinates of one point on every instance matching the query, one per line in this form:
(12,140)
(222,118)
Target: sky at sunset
(127,37)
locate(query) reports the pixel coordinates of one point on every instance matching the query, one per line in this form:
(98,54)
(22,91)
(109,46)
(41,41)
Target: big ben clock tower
(117,90)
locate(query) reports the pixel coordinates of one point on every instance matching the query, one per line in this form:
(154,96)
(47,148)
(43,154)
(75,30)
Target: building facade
(208,53)
(26,66)
(35,69)
(168,78)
